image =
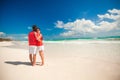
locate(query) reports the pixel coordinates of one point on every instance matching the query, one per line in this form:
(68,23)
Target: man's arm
(37,38)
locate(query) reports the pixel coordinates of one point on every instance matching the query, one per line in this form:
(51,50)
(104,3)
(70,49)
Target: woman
(40,46)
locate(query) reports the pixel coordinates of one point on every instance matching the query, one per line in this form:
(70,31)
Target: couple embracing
(35,44)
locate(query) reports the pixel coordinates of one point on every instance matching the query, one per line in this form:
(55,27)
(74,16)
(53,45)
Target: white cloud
(113,14)
(59,24)
(2,34)
(84,26)
(69,33)
(77,27)
(29,27)
(14,36)
(18,36)
(114,11)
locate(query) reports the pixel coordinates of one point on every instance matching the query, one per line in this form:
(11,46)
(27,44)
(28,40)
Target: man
(32,45)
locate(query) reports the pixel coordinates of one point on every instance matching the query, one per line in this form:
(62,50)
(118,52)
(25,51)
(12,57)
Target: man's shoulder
(31,32)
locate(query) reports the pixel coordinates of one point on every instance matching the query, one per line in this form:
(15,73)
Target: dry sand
(63,61)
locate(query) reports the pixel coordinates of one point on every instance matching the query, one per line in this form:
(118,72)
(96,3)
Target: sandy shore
(87,61)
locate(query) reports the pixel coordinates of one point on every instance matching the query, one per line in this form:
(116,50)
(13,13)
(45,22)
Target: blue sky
(60,18)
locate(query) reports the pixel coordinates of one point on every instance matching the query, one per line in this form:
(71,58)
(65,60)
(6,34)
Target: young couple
(35,44)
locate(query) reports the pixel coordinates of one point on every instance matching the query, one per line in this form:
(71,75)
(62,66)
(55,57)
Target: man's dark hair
(34,27)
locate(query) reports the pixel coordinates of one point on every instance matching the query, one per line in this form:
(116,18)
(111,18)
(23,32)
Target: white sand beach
(63,61)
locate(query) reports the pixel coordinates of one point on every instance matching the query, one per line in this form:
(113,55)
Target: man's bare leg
(30,57)
(42,57)
(34,60)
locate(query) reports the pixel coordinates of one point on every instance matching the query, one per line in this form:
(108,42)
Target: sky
(60,18)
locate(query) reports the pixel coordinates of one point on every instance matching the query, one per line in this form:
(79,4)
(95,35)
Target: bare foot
(33,64)
(41,64)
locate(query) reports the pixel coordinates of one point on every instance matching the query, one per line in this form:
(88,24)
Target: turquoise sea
(86,38)
(110,39)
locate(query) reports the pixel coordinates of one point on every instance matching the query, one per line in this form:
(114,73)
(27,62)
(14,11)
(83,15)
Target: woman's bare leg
(42,57)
